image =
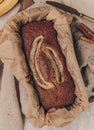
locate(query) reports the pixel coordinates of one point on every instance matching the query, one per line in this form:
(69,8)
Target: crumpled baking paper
(12,56)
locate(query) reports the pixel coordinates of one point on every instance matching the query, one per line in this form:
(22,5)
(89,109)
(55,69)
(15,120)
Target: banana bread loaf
(48,65)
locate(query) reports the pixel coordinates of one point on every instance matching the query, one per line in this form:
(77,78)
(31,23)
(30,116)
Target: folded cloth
(10,114)
(85,55)
(1,71)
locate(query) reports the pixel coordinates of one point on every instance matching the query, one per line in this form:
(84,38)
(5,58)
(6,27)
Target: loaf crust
(62,94)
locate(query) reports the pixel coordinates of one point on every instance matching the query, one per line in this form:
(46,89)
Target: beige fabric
(13,57)
(10,114)
(1,71)
(85,55)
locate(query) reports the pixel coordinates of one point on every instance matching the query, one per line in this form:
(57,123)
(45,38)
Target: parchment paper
(13,57)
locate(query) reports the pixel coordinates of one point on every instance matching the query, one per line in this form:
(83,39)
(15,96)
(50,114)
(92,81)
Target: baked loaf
(52,80)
